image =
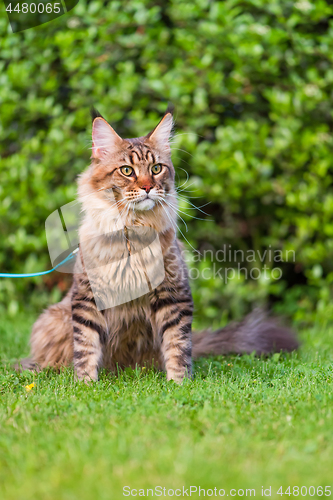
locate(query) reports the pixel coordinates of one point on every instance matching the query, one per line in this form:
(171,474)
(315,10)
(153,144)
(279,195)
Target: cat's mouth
(146,204)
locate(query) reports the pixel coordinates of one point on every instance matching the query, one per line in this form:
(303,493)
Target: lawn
(242,423)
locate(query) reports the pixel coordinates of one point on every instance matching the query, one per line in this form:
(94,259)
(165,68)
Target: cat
(131,184)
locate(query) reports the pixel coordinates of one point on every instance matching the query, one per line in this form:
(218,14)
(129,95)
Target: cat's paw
(87,377)
(177,376)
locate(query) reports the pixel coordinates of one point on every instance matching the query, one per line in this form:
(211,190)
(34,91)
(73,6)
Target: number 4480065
(32,8)
(306,490)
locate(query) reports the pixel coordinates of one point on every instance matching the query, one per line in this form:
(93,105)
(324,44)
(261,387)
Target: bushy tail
(257,332)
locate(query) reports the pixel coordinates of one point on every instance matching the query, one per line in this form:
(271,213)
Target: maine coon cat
(155,328)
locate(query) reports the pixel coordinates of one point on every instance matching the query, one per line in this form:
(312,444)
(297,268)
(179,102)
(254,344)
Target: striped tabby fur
(153,329)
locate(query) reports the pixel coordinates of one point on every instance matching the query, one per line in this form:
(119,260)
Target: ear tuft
(104,138)
(162,132)
(94,113)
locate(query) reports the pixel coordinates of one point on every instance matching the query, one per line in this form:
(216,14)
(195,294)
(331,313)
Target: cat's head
(132,179)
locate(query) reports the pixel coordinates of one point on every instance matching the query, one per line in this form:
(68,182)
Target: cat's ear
(104,138)
(161,134)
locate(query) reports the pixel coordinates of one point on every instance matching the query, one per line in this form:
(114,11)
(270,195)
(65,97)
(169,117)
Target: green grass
(241,423)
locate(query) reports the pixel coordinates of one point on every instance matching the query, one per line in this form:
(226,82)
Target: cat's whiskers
(179,149)
(176,209)
(193,207)
(185,188)
(178,187)
(175,225)
(188,215)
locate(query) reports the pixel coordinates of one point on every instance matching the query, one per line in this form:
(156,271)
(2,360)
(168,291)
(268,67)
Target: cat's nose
(147,188)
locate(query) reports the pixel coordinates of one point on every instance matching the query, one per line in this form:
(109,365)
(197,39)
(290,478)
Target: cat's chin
(146,204)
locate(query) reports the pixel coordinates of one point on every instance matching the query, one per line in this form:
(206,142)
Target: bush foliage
(251,82)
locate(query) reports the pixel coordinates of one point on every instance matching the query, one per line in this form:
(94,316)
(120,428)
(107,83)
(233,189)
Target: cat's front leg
(173,315)
(89,334)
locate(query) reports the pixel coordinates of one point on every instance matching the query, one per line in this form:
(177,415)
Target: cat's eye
(127,170)
(156,169)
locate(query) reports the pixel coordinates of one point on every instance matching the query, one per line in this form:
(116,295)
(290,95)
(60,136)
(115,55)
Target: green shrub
(251,82)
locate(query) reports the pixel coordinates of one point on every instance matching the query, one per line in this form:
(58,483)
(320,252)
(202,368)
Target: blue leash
(31,275)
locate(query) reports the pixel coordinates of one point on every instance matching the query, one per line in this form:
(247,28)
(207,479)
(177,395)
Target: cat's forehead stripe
(140,153)
(135,157)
